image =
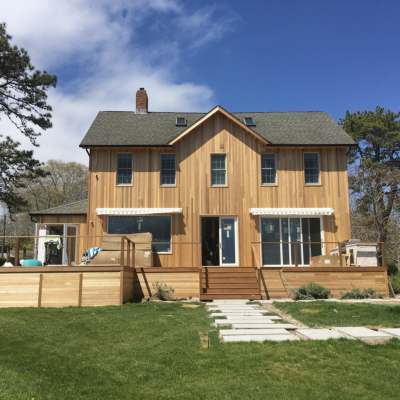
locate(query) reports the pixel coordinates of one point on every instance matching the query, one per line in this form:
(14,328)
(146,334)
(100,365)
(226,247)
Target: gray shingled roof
(77,207)
(126,128)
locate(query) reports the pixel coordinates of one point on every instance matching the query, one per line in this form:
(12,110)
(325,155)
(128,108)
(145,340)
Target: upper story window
(167,170)
(124,169)
(268,169)
(218,169)
(311,168)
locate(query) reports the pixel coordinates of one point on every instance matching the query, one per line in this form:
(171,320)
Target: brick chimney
(142,101)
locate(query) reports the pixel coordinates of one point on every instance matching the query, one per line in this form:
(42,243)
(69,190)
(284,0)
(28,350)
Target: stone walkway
(244,321)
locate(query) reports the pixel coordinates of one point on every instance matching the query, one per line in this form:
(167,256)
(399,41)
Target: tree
(375,162)
(63,182)
(23,100)
(16,167)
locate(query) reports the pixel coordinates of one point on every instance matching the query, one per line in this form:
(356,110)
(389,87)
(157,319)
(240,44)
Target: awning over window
(298,212)
(137,211)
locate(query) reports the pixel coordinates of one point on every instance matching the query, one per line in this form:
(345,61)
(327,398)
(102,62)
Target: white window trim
(155,215)
(319,168)
(167,184)
(290,247)
(226,169)
(132,174)
(276,169)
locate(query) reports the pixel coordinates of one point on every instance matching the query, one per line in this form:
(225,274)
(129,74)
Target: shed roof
(76,207)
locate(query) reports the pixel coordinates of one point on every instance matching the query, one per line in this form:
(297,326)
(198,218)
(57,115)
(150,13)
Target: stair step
(206,296)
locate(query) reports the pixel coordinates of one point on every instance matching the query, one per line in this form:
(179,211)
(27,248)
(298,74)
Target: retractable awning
(299,212)
(137,211)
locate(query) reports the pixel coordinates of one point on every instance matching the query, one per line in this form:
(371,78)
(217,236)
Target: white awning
(299,212)
(137,211)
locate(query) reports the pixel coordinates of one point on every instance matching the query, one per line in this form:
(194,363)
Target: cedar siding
(194,194)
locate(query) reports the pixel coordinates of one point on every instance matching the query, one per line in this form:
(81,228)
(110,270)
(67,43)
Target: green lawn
(320,313)
(153,351)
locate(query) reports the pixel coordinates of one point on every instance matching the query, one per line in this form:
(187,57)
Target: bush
(361,294)
(2,261)
(395,282)
(393,269)
(162,291)
(311,291)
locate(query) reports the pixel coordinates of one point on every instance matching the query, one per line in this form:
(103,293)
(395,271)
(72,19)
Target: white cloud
(103,41)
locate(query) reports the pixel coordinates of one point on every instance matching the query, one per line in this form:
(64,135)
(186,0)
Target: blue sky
(305,55)
(190,55)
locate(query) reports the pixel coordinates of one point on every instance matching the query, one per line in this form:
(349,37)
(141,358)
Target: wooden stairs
(229,283)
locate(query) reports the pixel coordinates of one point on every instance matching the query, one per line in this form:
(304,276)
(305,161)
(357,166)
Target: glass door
(228,240)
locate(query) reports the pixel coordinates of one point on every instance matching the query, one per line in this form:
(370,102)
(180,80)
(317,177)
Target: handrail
(130,249)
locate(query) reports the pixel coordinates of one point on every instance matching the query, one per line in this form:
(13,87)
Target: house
(224,193)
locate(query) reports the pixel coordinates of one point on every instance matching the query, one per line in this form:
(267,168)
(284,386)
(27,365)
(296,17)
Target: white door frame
(65,234)
(280,217)
(236,263)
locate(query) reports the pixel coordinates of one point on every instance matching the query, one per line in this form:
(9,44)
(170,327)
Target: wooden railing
(130,252)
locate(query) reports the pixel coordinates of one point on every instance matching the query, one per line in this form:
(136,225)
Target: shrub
(311,291)
(361,294)
(162,291)
(2,261)
(395,282)
(393,269)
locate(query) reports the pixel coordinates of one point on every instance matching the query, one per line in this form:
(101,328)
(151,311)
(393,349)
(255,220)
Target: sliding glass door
(290,241)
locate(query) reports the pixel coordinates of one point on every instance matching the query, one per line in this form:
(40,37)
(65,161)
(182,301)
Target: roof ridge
(205,112)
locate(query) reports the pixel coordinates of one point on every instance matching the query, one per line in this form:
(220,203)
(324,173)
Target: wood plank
(196,197)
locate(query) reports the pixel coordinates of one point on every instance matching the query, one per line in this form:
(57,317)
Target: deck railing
(190,252)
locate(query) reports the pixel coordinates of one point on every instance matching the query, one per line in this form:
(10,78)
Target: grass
(156,351)
(321,314)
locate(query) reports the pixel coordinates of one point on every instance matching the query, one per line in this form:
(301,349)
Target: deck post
(340,254)
(16,262)
(122,252)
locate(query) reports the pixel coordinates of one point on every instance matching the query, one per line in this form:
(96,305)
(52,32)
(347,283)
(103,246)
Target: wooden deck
(62,286)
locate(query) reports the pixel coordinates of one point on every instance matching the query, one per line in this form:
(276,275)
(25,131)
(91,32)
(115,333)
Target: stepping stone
(264,325)
(239,332)
(364,334)
(246,323)
(260,338)
(391,331)
(251,319)
(235,308)
(320,334)
(235,315)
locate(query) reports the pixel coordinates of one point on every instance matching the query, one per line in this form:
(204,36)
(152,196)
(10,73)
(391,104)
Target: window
(311,168)
(159,226)
(167,169)
(249,121)
(290,241)
(218,169)
(181,121)
(124,169)
(268,169)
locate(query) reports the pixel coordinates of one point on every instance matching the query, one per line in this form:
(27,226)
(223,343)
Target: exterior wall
(78,219)
(194,194)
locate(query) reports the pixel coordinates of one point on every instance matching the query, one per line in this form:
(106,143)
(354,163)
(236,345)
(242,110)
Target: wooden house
(225,193)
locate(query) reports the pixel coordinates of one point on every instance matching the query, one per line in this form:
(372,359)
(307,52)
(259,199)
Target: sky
(254,55)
